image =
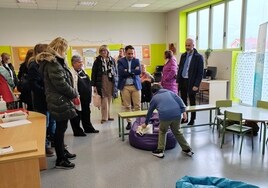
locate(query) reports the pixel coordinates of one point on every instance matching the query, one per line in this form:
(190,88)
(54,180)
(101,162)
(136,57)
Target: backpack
(254,126)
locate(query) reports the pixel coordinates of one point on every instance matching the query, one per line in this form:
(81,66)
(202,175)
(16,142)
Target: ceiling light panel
(87,3)
(27,1)
(140,5)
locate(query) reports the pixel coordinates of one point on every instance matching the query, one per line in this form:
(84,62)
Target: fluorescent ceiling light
(140,5)
(27,1)
(87,3)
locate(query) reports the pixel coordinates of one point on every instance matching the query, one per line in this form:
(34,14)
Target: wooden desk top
(25,135)
(188,109)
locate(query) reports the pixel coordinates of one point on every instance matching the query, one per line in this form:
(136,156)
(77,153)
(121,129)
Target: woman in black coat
(60,95)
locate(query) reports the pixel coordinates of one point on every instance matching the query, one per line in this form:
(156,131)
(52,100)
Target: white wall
(28,27)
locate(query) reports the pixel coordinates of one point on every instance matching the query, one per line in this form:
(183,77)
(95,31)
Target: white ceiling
(102,5)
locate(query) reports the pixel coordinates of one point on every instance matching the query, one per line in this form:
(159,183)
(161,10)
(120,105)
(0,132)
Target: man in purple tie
(189,76)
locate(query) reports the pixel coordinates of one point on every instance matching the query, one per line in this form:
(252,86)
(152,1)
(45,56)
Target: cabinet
(217,89)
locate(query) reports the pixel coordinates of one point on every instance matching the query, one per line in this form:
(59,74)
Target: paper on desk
(15,123)
(7,149)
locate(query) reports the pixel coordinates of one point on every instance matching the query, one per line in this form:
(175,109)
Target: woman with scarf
(103,81)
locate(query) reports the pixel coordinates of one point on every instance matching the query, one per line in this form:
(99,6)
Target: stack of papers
(15,123)
(6,149)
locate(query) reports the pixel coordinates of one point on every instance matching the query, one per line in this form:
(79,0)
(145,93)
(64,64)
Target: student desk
(251,113)
(142,113)
(21,168)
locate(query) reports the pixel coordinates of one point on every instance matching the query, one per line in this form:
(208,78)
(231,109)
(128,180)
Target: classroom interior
(104,160)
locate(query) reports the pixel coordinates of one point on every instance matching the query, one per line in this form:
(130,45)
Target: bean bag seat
(149,142)
(210,182)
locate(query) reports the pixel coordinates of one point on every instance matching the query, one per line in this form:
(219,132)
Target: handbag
(96,98)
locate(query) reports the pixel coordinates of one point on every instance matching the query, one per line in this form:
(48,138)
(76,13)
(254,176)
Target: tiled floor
(104,161)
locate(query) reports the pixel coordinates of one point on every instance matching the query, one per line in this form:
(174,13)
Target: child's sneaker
(158,153)
(188,152)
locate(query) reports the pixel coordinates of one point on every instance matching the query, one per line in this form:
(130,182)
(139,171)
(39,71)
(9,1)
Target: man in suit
(189,76)
(129,83)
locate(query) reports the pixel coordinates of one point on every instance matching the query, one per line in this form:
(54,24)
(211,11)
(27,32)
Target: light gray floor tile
(104,161)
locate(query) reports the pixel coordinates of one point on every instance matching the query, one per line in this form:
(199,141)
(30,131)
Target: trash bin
(210,182)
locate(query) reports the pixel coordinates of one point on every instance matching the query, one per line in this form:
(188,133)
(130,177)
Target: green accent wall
(157,56)
(6,49)
(233,76)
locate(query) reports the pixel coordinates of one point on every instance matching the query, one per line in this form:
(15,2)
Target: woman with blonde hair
(103,81)
(60,95)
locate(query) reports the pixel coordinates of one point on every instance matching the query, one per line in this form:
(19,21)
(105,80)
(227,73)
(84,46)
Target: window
(191,25)
(217,26)
(234,24)
(225,25)
(203,29)
(253,21)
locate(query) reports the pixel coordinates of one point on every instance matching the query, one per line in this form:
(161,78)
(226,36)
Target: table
(251,114)
(143,113)
(22,169)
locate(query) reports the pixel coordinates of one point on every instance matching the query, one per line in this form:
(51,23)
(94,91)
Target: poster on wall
(142,52)
(89,52)
(22,53)
(89,62)
(89,55)
(138,52)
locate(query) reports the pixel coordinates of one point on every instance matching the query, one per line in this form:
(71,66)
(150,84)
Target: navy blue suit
(195,75)
(123,75)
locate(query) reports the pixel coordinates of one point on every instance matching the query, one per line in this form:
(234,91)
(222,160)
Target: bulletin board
(88,53)
(142,52)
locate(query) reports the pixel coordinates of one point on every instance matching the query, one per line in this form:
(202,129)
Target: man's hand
(184,116)
(143,125)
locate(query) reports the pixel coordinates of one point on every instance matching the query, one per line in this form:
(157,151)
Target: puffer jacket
(169,75)
(58,85)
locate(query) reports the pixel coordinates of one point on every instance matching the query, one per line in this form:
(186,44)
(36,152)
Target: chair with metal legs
(219,116)
(236,128)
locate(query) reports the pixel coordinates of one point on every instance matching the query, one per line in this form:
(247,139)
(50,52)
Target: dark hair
(168,54)
(29,54)
(129,47)
(38,48)
(155,88)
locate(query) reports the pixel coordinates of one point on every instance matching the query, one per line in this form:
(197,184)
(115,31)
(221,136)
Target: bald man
(189,76)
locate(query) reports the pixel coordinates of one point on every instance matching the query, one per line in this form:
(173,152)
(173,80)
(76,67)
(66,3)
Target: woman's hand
(76,101)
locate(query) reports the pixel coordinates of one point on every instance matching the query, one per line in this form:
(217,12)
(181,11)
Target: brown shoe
(102,121)
(110,119)
(49,152)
